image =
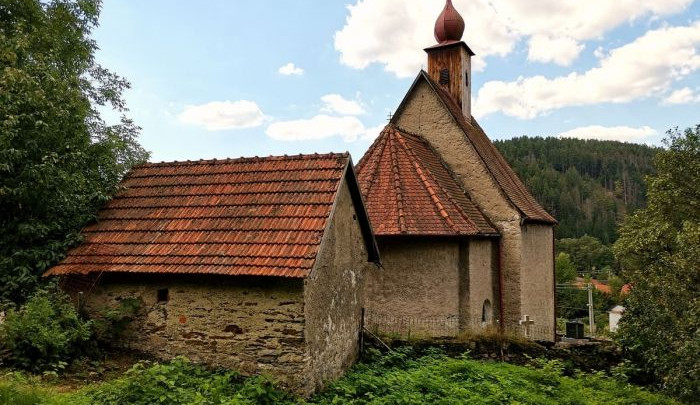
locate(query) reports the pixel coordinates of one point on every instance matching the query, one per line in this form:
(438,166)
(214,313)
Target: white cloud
(619,133)
(681,96)
(319,127)
(223,115)
(335,103)
(560,50)
(646,67)
(290,69)
(394,32)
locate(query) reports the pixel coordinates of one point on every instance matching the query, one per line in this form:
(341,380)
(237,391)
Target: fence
(445,327)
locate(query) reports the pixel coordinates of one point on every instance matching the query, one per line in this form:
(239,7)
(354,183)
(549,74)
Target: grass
(401,377)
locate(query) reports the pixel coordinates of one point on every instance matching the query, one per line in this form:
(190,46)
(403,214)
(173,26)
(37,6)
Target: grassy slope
(391,379)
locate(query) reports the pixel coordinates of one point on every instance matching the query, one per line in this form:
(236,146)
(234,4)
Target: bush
(111,325)
(45,333)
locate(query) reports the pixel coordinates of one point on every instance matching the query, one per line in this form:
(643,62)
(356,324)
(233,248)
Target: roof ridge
(396,180)
(381,140)
(246,159)
(433,195)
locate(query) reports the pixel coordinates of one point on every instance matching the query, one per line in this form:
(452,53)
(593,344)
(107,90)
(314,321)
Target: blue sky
(233,78)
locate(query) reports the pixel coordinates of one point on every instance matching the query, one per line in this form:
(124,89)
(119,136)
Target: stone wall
(334,295)
(249,324)
(425,115)
(483,281)
(538,279)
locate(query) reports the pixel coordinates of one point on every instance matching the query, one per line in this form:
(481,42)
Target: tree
(59,160)
(659,250)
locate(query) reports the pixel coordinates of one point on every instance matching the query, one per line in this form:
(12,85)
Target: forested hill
(588,185)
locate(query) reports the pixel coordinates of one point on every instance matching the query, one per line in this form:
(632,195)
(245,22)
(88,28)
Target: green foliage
(659,249)
(59,160)
(565,268)
(111,324)
(588,254)
(399,377)
(588,185)
(45,333)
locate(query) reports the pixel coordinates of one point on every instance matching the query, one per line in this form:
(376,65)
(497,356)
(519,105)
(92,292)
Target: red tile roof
(248,216)
(409,190)
(499,168)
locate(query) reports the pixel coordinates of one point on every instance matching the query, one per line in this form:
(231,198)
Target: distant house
(255,264)
(615,315)
(464,244)
(597,284)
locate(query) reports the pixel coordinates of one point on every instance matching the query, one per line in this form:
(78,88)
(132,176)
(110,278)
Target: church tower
(449,62)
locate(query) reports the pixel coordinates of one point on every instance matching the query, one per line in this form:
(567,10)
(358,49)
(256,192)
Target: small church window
(163,295)
(486,312)
(444,77)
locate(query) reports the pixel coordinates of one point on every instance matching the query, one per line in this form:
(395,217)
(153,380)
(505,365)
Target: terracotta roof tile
(409,190)
(499,168)
(248,216)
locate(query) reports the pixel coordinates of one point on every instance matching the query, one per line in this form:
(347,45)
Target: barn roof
(247,216)
(512,186)
(410,191)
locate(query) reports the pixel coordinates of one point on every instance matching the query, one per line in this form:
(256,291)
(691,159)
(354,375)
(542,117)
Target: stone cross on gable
(526,321)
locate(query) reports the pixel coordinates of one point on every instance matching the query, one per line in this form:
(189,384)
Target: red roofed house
(254,264)
(463,242)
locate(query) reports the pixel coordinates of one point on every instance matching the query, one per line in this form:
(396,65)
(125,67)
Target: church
(464,244)
(278,264)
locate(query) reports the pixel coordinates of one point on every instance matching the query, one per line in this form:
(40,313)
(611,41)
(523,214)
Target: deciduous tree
(59,159)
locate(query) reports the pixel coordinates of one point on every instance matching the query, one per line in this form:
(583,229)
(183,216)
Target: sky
(230,78)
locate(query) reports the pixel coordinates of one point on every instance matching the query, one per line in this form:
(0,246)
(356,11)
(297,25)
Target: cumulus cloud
(681,96)
(646,67)
(319,127)
(335,103)
(290,69)
(560,50)
(223,115)
(619,133)
(393,32)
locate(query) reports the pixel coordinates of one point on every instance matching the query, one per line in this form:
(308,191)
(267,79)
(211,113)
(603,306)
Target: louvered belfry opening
(445,77)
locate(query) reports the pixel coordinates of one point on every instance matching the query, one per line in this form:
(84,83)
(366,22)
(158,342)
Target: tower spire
(449,25)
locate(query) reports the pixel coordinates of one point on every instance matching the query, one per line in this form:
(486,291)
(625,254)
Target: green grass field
(396,378)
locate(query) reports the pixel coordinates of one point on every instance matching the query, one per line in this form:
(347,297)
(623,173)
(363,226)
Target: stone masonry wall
(254,325)
(538,279)
(334,296)
(419,279)
(426,116)
(483,276)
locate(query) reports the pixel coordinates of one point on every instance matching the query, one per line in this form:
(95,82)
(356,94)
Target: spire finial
(449,25)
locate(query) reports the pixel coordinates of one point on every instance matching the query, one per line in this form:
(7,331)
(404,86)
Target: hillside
(588,185)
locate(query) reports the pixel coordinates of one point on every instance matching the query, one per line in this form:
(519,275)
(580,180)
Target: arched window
(486,313)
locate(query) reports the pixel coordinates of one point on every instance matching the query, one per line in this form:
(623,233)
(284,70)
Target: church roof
(512,186)
(409,190)
(247,216)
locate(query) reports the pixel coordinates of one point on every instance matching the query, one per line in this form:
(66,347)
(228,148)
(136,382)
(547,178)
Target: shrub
(45,333)
(111,324)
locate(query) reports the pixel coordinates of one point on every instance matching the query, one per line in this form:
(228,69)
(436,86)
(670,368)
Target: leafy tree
(588,254)
(659,249)
(59,160)
(565,268)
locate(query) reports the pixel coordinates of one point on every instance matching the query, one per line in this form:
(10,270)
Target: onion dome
(449,25)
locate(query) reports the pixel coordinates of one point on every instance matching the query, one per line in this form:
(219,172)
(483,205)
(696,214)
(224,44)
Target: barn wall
(249,324)
(419,279)
(334,295)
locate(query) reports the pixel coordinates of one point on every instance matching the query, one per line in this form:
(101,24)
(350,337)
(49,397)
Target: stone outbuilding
(464,244)
(255,264)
